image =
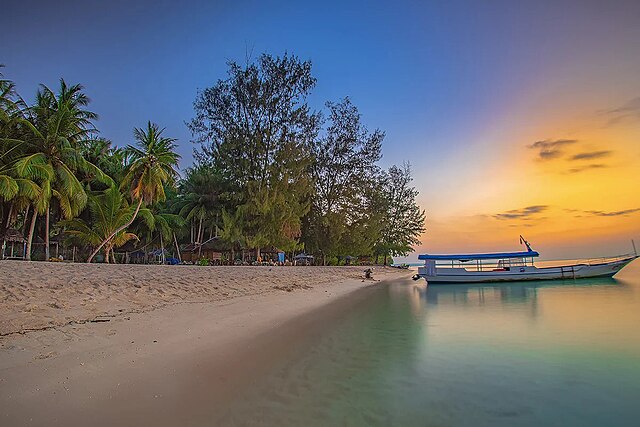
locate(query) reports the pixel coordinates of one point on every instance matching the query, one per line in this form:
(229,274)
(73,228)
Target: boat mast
(524,241)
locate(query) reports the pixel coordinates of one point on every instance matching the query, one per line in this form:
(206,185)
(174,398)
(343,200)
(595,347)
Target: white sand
(177,344)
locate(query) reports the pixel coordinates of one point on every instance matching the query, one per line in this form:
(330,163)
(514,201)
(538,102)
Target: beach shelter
(303,258)
(14,243)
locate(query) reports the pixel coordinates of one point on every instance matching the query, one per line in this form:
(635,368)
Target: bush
(332,260)
(203,261)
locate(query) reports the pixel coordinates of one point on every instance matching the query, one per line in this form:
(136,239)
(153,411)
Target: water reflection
(526,354)
(519,292)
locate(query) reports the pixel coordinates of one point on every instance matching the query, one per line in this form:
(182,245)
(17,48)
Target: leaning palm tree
(153,163)
(109,211)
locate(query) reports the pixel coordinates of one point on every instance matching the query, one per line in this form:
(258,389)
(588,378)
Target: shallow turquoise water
(528,354)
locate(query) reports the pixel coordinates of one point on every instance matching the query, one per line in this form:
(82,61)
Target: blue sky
(457,85)
(416,70)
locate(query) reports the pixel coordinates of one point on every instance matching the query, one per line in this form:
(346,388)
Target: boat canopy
(469,257)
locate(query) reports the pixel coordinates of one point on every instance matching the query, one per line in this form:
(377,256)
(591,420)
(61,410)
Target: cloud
(629,110)
(613,213)
(550,149)
(587,167)
(524,213)
(590,155)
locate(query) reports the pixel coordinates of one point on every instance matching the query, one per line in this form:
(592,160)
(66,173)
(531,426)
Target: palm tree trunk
(161,249)
(46,236)
(32,227)
(177,247)
(118,230)
(25,226)
(8,223)
(199,241)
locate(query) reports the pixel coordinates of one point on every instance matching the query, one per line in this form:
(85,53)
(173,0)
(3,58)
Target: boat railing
(605,260)
(486,265)
(509,263)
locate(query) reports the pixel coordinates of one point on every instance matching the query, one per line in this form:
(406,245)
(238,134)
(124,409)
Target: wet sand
(149,358)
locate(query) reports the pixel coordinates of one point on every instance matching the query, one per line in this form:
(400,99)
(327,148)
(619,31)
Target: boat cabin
(503,261)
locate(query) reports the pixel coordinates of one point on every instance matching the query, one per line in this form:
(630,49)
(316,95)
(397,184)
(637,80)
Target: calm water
(531,354)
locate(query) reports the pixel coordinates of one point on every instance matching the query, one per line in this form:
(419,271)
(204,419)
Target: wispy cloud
(629,110)
(587,167)
(591,155)
(613,213)
(524,213)
(551,149)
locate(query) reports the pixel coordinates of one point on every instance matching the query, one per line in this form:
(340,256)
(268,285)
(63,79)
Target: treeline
(270,172)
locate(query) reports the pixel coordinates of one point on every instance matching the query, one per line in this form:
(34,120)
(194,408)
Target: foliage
(345,174)
(403,220)
(255,129)
(270,173)
(152,165)
(109,211)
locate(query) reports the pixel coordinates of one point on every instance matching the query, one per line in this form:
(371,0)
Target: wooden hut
(212,250)
(14,245)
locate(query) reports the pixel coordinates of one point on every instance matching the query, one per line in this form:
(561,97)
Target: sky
(517,117)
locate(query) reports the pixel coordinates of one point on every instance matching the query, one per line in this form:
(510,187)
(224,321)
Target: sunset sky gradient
(518,117)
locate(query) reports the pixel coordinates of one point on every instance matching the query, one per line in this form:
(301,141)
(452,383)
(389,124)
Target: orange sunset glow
(569,184)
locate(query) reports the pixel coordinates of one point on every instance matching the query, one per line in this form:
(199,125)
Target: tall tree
(255,128)
(153,163)
(344,171)
(57,124)
(403,219)
(15,192)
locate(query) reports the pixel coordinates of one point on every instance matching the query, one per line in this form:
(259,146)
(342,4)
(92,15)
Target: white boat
(511,267)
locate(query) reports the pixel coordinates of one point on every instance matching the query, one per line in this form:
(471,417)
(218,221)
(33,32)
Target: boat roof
(468,257)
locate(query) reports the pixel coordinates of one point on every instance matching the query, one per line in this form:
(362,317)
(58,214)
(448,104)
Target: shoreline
(175,364)
(43,295)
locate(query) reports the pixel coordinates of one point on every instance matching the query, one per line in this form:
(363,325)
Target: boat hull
(516,274)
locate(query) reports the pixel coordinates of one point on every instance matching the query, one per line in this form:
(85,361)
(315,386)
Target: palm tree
(199,203)
(19,187)
(161,222)
(109,211)
(57,124)
(153,163)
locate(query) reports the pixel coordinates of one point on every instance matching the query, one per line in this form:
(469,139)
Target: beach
(162,345)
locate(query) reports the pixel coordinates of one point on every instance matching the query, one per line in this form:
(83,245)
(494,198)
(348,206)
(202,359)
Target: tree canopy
(270,174)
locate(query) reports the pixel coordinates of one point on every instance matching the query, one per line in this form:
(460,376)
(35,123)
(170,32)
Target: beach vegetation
(271,175)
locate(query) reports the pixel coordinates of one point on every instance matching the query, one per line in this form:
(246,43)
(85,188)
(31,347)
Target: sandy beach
(161,345)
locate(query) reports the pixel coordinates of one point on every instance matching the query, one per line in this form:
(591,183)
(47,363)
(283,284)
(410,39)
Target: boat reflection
(518,292)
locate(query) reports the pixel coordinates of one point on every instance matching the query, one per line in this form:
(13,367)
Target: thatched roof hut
(13,235)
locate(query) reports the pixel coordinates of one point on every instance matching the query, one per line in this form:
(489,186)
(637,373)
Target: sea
(554,353)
